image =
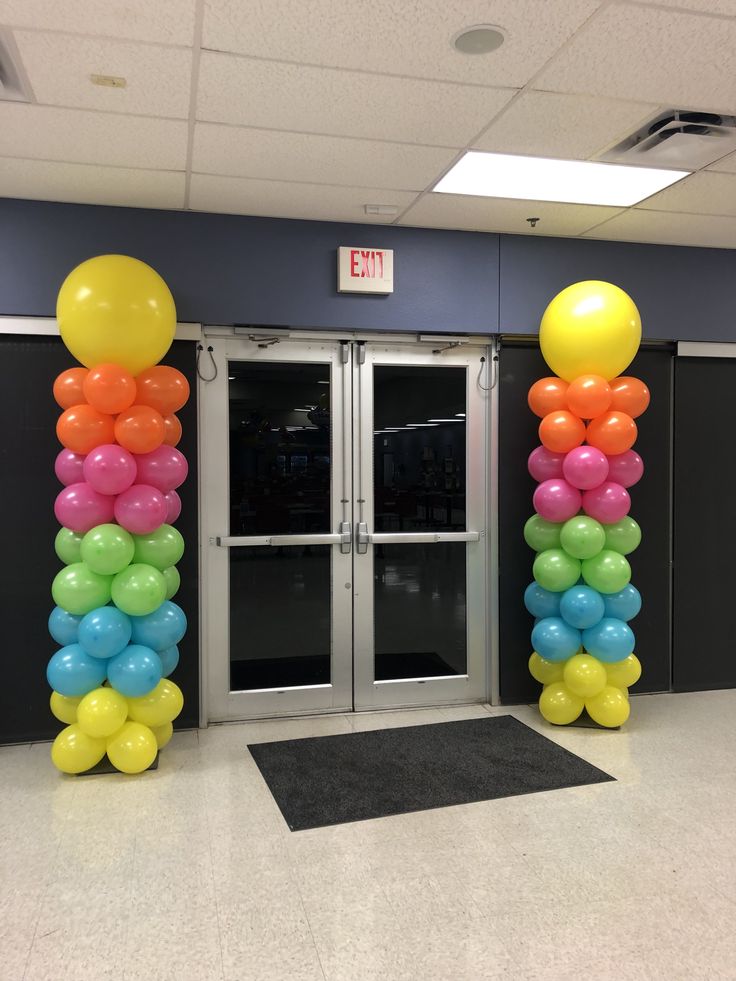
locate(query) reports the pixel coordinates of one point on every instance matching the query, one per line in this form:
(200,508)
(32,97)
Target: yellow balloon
(544,671)
(590,328)
(559,705)
(609,708)
(161,705)
(73,751)
(133,748)
(102,712)
(623,674)
(114,308)
(584,675)
(64,707)
(163,734)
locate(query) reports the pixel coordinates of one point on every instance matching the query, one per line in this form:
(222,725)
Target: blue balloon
(541,602)
(582,607)
(134,671)
(64,626)
(72,672)
(161,629)
(105,631)
(610,640)
(624,605)
(555,640)
(169,660)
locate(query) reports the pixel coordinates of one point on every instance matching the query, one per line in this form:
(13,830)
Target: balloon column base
(105,766)
(584,721)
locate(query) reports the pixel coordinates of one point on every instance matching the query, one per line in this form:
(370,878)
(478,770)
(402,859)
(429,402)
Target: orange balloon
(561,431)
(172,430)
(81,428)
(547,395)
(614,432)
(109,388)
(588,396)
(68,387)
(163,388)
(140,429)
(630,395)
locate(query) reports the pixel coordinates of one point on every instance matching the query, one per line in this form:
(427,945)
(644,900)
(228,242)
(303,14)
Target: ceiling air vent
(678,138)
(14,84)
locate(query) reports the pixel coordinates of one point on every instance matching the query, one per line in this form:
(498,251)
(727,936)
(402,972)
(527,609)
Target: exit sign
(365,270)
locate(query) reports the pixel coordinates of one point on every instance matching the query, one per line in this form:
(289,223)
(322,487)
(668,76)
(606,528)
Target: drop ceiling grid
(397,156)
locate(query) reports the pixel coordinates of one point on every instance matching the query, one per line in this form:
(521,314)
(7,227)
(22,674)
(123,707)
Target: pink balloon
(80,507)
(543,464)
(110,468)
(173,504)
(165,468)
(608,503)
(68,467)
(585,467)
(556,500)
(140,509)
(626,468)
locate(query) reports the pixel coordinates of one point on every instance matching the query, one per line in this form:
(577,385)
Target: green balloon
(67,546)
(173,581)
(138,590)
(582,537)
(608,572)
(107,549)
(541,534)
(555,570)
(161,549)
(78,590)
(623,536)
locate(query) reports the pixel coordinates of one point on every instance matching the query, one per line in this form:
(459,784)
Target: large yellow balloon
(64,707)
(133,748)
(73,751)
(584,675)
(609,708)
(623,674)
(102,712)
(116,309)
(590,328)
(544,671)
(163,734)
(559,705)
(161,705)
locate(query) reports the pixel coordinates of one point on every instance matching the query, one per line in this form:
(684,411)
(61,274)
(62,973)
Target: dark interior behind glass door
(280,484)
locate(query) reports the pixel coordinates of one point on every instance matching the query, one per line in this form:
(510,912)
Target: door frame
(218,340)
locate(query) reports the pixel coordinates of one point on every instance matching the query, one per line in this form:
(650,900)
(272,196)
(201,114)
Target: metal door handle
(362,537)
(346,537)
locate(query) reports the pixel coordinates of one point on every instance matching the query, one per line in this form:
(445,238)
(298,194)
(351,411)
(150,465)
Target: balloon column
(114,618)
(581,597)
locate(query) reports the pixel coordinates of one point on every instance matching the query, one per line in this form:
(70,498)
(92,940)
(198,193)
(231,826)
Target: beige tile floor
(189,873)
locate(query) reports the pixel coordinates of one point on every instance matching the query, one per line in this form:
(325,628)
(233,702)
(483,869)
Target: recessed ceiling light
(478,40)
(444,420)
(501,175)
(422,425)
(460,415)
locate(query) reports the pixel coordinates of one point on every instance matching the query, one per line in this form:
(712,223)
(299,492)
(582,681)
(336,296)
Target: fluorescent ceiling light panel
(501,175)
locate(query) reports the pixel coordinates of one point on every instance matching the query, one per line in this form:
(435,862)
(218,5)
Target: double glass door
(343,487)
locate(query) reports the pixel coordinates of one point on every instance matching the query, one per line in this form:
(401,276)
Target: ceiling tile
(59,68)
(680,60)
(703,193)
(723,7)
(663,228)
(400,38)
(238,195)
(553,124)
(85,184)
(47,133)
(163,21)
(277,95)
(726,165)
(229,150)
(503,215)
